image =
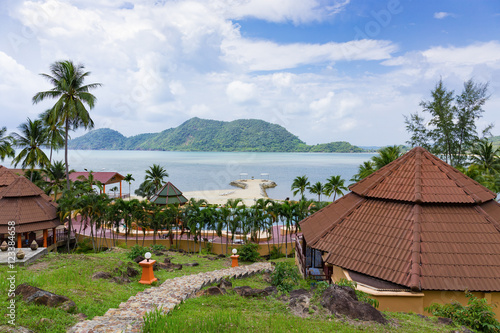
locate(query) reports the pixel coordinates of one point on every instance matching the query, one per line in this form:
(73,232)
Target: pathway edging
(128,316)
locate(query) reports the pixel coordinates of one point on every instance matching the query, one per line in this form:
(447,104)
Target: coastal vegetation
(210,135)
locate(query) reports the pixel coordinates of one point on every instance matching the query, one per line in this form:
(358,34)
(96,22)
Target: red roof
(24,203)
(103,177)
(416,222)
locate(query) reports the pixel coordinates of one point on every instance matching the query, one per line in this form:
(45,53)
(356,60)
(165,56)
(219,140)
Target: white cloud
(442,15)
(240,92)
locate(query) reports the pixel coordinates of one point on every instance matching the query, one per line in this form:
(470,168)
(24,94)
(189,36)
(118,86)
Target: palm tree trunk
(67,176)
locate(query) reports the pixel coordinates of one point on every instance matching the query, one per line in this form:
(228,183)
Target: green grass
(71,276)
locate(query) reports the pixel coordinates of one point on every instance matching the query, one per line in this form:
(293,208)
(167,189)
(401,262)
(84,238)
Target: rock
(247,291)
(34,247)
(221,256)
(212,291)
(46,320)
(120,279)
(343,301)
(131,272)
(193,264)
(266,277)
(176,267)
(300,302)
(138,259)
(101,275)
(14,329)
(271,290)
(20,254)
(445,321)
(167,260)
(38,296)
(225,284)
(158,253)
(81,316)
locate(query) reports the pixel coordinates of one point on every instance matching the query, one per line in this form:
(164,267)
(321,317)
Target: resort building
(413,233)
(26,207)
(169,194)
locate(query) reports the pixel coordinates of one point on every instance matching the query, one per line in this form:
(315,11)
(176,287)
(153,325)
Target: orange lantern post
(234,258)
(148,275)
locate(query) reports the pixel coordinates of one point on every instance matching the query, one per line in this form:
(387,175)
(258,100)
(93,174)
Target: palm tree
(155,176)
(300,183)
(55,173)
(6,149)
(485,156)
(128,178)
(364,170)
(69,111)
(334,185)
(55,136)
(316,188)
(386,155)
(32,138)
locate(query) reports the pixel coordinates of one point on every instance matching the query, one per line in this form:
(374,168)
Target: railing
(299,253)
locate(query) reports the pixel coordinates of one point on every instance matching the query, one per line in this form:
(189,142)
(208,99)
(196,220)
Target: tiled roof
(25,204)
(420,177)
(168,194)
(6,176)
(448,240)
(103,177)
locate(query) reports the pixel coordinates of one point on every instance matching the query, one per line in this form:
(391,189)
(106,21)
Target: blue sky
(327,70)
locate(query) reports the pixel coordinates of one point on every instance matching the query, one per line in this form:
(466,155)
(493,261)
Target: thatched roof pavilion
(168,194)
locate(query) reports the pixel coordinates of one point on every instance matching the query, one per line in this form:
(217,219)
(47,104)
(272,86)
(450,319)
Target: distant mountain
(209,135)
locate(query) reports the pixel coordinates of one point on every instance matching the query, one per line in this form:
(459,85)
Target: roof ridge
(415,269)
(418,176)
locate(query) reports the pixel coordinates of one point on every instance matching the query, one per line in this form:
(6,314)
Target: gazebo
(168,194)
(26,207)
(106,178)
(415,232)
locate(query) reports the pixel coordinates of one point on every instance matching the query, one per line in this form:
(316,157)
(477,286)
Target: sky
(327,70)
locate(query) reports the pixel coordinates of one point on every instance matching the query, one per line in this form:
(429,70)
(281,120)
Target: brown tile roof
(6,176)
(25,204)
(103,177)
(448,240)
(418,176)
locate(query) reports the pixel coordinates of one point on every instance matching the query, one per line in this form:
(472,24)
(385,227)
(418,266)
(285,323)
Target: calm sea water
(196,171)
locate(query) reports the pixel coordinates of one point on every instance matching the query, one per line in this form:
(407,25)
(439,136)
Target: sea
(201,171)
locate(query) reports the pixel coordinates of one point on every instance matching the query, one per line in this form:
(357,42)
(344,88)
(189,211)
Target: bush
(476,314)
(285,276)
(157,247)
(84,246)
(135,251)
(275,253)
(249,252)
(362,296)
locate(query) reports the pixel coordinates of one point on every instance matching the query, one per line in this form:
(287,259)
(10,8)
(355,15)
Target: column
(45,234)
(19,241)
(54,235)
(120,188)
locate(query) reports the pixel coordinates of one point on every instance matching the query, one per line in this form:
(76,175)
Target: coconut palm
(316,188)
(55,173)
(386,155)
(31,140)
(334,185)
(128,178)
(6,149)
(485,156)
(155,176)
(364,170)
(55,132)
(299,185)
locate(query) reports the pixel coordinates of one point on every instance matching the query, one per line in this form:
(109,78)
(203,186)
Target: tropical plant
(54,132)
(386,155)
(6,149)
(299,185)
(31,140)
(316,188)
(249,252)
(334,185)
(485,156)
(285,276)
(364,170)
(55,173)
(155,176)
(128,178)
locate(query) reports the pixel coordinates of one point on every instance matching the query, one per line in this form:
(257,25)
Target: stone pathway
(128,317)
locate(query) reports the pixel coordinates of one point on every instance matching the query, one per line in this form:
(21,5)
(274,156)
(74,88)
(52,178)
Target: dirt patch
(38,266)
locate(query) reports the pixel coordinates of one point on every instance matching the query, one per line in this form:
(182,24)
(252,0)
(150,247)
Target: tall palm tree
(55,132)
(128,178)
(155,176)
(56,174)
(386,155)
(6,149)
(31,140)
(334,185)
(316,188)
(72,95)
(299,185)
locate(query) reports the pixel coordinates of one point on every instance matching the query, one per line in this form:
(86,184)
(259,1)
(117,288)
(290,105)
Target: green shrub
(362,296)
(249,252)
(285,276)
(477,314)
(275,253)
(84,246)
(135,251)
(157,247)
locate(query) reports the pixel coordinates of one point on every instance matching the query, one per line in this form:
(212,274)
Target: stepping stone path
(128,317)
